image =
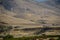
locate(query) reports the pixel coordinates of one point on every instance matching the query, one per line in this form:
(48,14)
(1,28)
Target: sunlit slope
(35,12)
(11,20)
(7,16)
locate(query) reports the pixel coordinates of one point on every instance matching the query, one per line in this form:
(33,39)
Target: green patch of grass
(31,37)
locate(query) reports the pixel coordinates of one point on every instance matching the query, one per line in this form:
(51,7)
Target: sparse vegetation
(9,37)
(42,21)
(4,29)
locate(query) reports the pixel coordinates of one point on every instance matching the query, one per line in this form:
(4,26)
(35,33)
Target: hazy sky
(40,0)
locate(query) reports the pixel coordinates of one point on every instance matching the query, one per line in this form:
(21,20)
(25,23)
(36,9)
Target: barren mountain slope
(7,17)
(37,12)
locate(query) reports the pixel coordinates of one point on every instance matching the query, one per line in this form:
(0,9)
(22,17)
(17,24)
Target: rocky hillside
(46,13)
(30,15)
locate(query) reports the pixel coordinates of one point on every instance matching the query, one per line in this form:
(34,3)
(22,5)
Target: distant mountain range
(45,12)
(8,4)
